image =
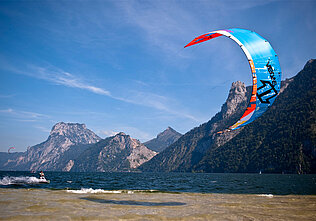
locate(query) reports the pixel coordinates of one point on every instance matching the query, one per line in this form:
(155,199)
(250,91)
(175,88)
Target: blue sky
(121,66)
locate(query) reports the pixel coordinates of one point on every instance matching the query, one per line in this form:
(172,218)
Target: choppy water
(157,196)
(275,184)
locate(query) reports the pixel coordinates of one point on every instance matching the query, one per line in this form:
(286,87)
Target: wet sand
(42,204)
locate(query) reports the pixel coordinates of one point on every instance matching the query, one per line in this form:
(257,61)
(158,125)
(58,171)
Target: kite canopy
(10,149)
(264,65)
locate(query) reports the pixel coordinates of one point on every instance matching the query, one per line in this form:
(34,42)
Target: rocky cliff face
(282,140)
(189,149)
(117,153)
(163,140)
(74,133)
(237,95)
(73,147)
(47,155)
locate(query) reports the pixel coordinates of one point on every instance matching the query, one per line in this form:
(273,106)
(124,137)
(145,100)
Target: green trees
(281,140)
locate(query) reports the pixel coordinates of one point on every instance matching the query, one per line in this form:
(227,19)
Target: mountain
(48,155)
(117,153)
(163,140)
(190,148)
(283,139)
(73,147)
(9,159)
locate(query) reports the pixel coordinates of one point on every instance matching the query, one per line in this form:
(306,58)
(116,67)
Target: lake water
(157,196)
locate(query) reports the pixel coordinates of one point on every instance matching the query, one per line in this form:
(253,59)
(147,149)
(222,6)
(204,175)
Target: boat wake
(90,190)
(9,180)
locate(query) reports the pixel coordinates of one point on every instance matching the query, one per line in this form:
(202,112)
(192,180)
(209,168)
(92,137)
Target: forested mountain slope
(282,140)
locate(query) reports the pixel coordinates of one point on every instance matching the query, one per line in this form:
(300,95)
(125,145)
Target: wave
(7,180)
(90,190)
(266,195)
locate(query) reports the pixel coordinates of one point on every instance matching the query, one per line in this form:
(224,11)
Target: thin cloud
(23,115)
(60,77)
(44,129)
(238,5)
(169,25)
(107,133)
(155,101)
(32,114)
(9,111)
(64,78)
(164,23)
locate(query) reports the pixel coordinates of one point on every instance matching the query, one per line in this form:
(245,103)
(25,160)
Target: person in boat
(42,176)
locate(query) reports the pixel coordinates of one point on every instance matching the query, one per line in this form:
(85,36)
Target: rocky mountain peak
(75,132)
(61,138)
(122,138)
(118,153)
(167,132)
(120,134)
(163,140)
(62,128)
(237,95)
(190,148)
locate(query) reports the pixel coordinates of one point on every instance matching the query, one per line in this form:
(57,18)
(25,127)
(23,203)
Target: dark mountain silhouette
(163,140)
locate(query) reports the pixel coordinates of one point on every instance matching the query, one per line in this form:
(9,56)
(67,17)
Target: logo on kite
(264,66)
(271,92)
(271,72)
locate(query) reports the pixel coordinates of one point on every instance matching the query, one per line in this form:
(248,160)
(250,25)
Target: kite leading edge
(264,65)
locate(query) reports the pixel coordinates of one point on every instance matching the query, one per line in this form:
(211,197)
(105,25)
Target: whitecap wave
(7,180)
(266,195)
(90,190)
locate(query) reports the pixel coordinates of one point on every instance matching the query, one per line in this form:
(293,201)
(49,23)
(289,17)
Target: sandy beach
(43,204)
